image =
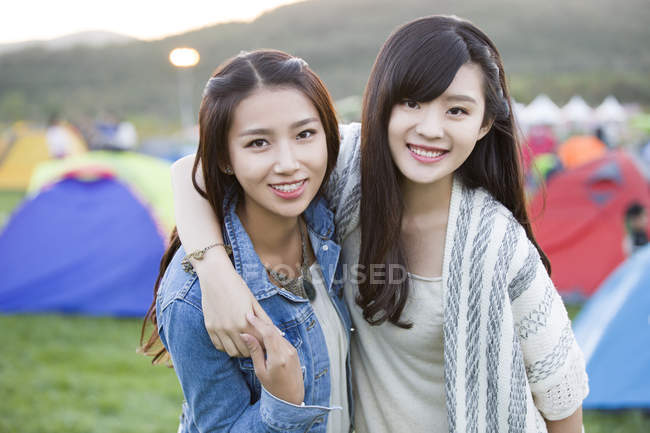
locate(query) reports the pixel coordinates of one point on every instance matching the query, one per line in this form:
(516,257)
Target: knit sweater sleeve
(343,188)
(554,363)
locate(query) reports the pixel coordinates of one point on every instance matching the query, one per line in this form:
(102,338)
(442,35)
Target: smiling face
(430,140)
(278,150)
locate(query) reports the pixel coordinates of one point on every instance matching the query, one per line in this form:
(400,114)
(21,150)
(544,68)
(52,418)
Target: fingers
(229,346)
(233,346)
(257,354)
(260,313)
(240,345)
(268,332)
(216,341)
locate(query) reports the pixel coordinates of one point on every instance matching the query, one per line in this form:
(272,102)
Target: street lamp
(184,58)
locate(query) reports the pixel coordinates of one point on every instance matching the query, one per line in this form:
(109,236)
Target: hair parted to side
(231,83)
(419,61)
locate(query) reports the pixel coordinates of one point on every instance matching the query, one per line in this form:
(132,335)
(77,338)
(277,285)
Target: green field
(76,374)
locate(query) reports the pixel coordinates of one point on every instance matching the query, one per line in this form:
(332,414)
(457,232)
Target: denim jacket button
(325,248)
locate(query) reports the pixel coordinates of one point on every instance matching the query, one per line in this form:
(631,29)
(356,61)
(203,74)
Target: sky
(23,20)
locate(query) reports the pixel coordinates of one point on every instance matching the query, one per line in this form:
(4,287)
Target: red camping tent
(580,222)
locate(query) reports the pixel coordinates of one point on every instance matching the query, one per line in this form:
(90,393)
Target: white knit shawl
(509,349)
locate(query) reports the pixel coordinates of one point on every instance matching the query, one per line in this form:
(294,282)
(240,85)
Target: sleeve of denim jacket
(217,395)
(343,188)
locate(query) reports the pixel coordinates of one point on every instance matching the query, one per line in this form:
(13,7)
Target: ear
(225,168)
(485,129)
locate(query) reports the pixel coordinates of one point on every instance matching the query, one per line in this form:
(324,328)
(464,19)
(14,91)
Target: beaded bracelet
(199,254)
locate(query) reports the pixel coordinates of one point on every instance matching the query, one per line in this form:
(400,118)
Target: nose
(286,161)
(430,123)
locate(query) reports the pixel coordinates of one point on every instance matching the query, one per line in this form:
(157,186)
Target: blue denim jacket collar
(319,220)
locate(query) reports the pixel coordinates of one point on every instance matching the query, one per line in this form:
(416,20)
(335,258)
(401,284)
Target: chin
(290,210)
(420,174)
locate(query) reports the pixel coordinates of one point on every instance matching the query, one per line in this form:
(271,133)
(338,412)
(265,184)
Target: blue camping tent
(86,244)
(613,330)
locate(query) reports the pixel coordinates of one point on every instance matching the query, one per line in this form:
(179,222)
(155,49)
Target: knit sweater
(510,354)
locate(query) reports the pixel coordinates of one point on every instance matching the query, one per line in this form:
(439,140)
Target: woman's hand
(571,424)
(225,297)
(226,300)
(280,372)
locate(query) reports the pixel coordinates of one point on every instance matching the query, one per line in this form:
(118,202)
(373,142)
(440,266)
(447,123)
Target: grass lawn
(76,374)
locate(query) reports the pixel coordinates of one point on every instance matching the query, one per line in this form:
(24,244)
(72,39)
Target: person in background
(636,223)
(58,138)
(126,136)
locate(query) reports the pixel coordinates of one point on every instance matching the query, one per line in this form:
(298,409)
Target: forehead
(467,81)
(272,108)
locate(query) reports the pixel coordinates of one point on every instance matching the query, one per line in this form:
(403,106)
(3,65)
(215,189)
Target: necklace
(301,286)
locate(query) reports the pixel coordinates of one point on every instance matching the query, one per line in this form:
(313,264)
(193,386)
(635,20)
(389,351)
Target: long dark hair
(230,83)
(419,61)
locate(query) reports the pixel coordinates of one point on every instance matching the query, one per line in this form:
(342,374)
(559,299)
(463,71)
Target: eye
(410,104)
(258,143)
(307,133)
(457,111)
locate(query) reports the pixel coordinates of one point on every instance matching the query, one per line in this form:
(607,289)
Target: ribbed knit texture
(509,348)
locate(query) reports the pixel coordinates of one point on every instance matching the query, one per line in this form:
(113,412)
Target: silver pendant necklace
(301,286)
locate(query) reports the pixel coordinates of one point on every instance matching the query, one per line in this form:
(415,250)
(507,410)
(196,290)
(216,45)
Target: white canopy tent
(542,111)
(577,111)
(610,111)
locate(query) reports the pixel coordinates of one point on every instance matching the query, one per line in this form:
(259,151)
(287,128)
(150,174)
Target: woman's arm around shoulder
(225,297)
(343,188)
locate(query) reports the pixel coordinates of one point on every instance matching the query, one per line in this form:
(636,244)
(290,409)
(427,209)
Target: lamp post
(184,58)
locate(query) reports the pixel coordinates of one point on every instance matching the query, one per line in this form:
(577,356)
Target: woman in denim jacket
(268,141)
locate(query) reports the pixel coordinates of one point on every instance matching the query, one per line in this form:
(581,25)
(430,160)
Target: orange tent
(581,149)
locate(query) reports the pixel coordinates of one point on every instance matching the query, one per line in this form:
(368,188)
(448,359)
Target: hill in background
(94,39)
(560,47)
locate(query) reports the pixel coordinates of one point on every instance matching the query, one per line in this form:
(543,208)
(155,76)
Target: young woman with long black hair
(268,141)
(458,325)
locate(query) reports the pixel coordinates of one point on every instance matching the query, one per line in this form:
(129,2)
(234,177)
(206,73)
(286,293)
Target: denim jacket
(222,393)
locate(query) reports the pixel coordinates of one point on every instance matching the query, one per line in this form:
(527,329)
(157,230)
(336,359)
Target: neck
(430,199)
(270,233)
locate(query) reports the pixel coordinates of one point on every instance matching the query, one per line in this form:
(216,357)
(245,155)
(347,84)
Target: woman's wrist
(215,260)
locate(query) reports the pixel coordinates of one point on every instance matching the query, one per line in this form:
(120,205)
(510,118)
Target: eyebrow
(265,131)
(463,98)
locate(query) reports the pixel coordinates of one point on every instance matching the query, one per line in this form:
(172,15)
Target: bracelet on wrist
(199,254)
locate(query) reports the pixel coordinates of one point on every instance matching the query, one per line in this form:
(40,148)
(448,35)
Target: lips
(426,154)
(425,151)
(288,187)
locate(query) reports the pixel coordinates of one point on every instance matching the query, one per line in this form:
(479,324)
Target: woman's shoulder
(350,131)
(350,144)
(509,238)
(488,216)
(177,284)
(481,199)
